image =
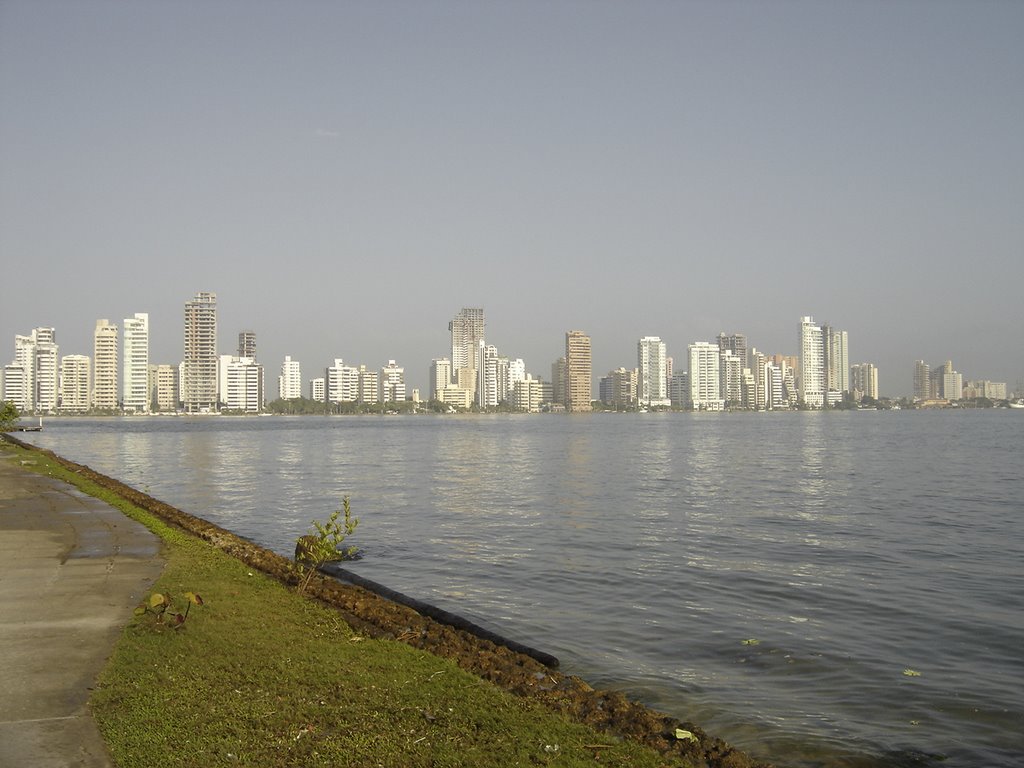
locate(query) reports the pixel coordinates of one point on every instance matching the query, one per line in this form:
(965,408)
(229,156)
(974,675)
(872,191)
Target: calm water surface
(643,550)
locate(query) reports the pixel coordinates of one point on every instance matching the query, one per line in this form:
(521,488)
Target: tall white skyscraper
(440,376)
(31,380)
(289,383)
(20,376)
(135,394)
(104,366)
(47,373)
(392,383)
(705,387)
(812,363)
(652,373)
(241,384)
(199,364)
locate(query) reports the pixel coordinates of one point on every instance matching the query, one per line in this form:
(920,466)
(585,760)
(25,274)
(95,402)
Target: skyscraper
(247,344)
(74,384)
(922,379)
(837,359)
(46,369)
(440,376)
(864,381)
(578,372)
(104,366)
(652,377)
(135,364)
(812,363)
(199,365)
(467,329)
(737,343)
(705,386)
(289,383)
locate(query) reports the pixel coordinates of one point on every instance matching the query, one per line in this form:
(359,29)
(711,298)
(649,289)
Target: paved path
(72,570)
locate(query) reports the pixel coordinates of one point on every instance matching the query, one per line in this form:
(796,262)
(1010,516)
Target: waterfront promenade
(72,570)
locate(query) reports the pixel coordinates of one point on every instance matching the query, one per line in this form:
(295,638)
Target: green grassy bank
(260,676)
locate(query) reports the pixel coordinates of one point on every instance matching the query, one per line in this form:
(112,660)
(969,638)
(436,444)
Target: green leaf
(156,600)
(684,735)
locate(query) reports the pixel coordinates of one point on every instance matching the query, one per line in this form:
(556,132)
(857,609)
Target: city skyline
(348,174)
(822,369)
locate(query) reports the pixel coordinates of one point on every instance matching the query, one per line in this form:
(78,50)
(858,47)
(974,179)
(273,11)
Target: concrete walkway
(72,570)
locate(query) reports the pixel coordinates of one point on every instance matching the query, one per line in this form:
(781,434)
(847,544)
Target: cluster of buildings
(940,384)
(719,375)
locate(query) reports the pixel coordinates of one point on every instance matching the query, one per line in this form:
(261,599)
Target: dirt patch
(377,617)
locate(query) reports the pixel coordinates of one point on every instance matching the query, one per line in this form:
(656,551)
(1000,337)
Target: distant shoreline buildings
(721,375)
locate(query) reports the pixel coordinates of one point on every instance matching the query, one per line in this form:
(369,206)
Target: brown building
(578,372)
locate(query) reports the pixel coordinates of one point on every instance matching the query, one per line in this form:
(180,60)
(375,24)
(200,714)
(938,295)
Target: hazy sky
(347,176)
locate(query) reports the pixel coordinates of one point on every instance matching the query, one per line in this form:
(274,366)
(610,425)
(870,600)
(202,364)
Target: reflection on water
(644,550)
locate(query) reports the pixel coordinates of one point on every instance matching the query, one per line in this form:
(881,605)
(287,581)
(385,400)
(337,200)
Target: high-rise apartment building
(135,393)
(104,366)
(241,384)
(341,383)
(619,388)
(440,376)
(75,380)
(467,330)
(392,383)
(578,372)
(318,389)
(247,344)
(864,381)
(492,385)
(19,376)
(922,379)
(167,397)
(837,359)
(730,377)
(47,370)
(652,378)
(737,344)
(812,364)
(199,365)
(369,385)
(32,381)
(289,383)
(558,381)
(705,385)
(16,387)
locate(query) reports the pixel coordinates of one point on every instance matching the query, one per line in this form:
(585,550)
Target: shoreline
(514,671)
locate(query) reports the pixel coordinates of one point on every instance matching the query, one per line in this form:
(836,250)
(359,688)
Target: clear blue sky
(346,176)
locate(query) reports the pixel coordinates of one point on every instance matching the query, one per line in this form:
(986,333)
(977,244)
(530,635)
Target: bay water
(817,588)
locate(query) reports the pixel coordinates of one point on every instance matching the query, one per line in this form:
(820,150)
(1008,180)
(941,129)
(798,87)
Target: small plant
(162,607)
(324,546)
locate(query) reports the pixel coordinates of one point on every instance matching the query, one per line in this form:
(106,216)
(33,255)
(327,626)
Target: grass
(260,676)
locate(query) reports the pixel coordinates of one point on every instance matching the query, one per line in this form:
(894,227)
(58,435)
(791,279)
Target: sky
(346,176)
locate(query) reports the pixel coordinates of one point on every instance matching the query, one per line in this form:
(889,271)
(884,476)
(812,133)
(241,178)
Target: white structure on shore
(652,373)
(104,366)
(289,383)
(812,363)
(136,396)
